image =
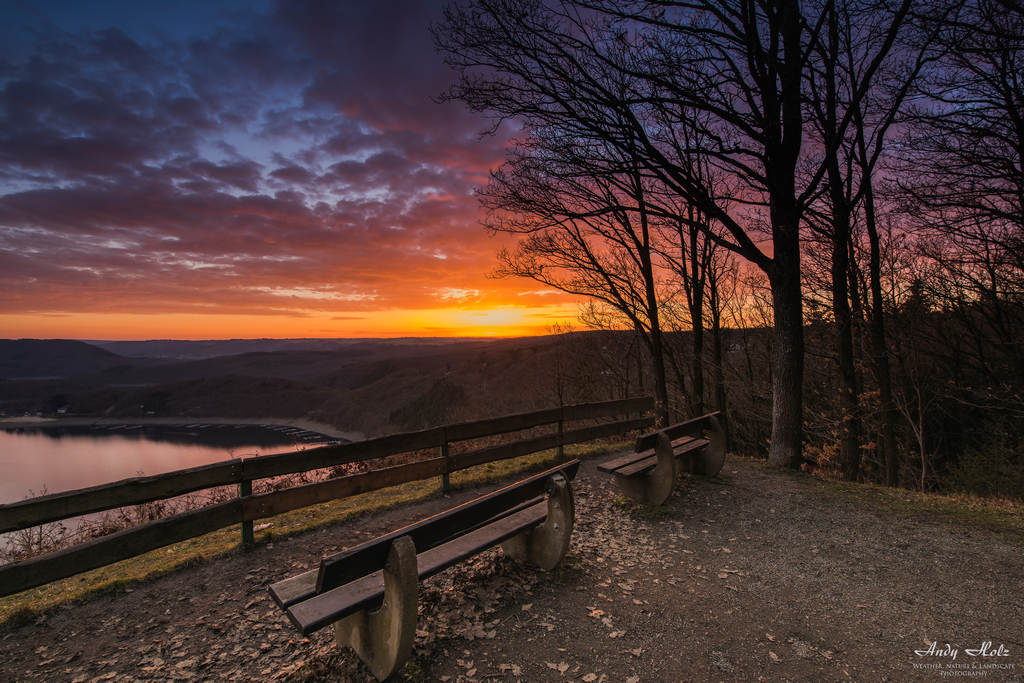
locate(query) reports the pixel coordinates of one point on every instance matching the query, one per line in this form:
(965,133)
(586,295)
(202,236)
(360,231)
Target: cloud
(271,164)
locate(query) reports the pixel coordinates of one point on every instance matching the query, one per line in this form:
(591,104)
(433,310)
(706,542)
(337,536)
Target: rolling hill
(371,386)
(50,358)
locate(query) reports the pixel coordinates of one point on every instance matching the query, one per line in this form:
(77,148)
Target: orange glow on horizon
(496,322)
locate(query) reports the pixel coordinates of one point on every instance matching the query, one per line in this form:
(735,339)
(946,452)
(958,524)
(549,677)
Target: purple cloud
(290,159)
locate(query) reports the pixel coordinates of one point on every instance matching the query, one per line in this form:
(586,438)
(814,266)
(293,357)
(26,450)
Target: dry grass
(1000,515)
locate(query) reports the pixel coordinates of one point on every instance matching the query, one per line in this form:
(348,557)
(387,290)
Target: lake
(64,458)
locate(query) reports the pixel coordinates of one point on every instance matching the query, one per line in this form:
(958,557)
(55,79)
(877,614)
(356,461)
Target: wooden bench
(370,592)
(648,475)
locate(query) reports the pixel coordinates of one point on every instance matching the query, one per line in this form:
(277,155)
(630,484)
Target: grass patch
(717,480)
(762,465)
(642,510)
(22,608)
(1001,516)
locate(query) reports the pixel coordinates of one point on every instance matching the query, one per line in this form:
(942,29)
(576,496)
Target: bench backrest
(371,556)
(694,427)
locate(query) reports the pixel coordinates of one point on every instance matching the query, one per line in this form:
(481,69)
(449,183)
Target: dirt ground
(759,577)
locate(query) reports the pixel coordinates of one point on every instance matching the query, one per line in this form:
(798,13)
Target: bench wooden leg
(383,639)
(710,459)
(547,544)
(656,486)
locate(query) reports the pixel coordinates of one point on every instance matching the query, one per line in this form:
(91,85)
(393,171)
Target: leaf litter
(632,603)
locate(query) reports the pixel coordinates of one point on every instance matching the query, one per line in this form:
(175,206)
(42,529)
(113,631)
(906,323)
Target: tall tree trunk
(876,324)
(782,154)
(787,358)
(849,401)
(698,269)
(717,367)
(660,379)
(880,350)
(656,345)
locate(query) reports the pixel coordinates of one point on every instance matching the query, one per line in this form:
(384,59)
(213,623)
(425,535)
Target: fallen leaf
(589,678)
(775,657)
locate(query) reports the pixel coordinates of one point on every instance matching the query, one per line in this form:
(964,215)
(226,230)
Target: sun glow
(446,322)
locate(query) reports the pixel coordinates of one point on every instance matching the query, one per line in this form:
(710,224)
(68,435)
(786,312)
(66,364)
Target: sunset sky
(230,169)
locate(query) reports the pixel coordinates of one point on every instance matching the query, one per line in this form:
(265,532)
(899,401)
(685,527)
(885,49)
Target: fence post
(561,447)
(245,489)
(446,484)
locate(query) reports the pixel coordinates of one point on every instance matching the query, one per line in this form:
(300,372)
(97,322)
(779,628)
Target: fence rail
(37,571)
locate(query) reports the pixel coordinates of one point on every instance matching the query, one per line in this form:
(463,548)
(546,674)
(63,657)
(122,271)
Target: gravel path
(760,577)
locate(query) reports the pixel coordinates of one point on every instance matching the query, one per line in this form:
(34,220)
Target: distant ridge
(180,349)
(47,358)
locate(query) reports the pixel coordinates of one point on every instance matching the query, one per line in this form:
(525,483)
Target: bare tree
(732,72)
(862,70)
(587,230)
(965,162)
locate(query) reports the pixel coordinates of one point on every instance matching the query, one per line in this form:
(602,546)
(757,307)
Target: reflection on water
(65,458)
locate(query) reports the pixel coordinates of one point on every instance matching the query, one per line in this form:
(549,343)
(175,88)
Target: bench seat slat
(450,554)
(294,589)
(611,466)
(628,459)
(323,610)
(303,586)
(367,592)
(679,446)
(646,461)
(692,427)
(346,566)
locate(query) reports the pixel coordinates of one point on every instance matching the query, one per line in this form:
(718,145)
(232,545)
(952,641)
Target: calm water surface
(66,458)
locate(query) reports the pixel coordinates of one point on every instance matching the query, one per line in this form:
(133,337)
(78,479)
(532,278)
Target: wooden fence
(37,571)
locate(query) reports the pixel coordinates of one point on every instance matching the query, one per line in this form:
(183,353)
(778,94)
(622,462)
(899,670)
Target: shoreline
(300,423)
